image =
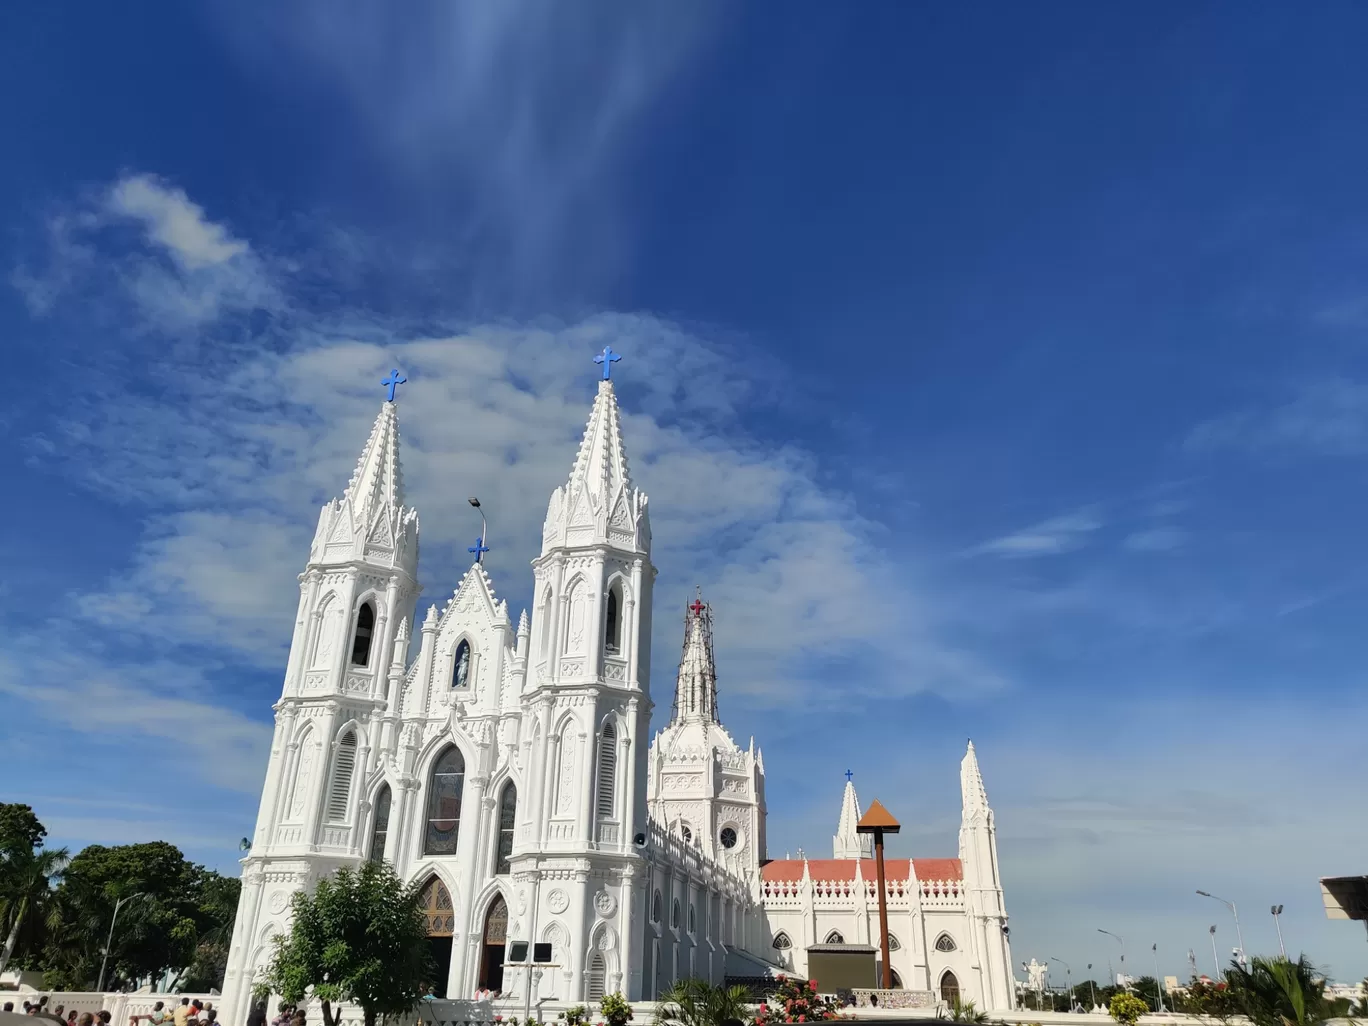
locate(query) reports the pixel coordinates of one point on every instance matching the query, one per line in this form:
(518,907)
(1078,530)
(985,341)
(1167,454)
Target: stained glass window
(444,803)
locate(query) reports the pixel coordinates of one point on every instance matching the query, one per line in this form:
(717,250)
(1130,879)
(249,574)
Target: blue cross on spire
(849,775)
(479,549)
(394,380)
(607,358)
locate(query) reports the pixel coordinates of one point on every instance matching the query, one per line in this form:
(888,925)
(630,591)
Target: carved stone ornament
(605,903)
(558,901)
(278,901)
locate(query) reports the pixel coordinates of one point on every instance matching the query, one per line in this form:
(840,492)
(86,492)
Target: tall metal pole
(484,528)
(1239,937)
(1158,980)
(1277,911)
(1215,957)
(883,909)
(1092,987)
(109,941)
(1117,937)
(1068,976)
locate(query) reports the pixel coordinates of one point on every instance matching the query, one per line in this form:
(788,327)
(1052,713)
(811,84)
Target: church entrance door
(495,938)
(441,922)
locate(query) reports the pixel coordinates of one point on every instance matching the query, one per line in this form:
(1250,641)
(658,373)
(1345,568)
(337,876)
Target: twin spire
(972,791)
(696,686)
(378,480)
(848,843)
(601,463)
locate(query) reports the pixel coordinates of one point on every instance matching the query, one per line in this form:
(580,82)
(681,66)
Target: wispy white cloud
(1156,539)
(1327,418)
(521,107)
(1048,538)
(185,271)
(63,679)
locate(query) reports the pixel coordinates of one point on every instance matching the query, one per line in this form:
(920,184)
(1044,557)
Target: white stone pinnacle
(848,843)
(377,479)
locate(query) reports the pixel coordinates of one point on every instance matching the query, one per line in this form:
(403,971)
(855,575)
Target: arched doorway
(441,923)
(492,950)
(949,989)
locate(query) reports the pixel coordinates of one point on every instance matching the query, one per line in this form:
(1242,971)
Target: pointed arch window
(945,943)
(893,943)
(781,941)
(508,814)
(612,620)
(460,665)
(674,915)
(693,919)
(834,937)
(656,907)
(361,639)
(597,972)
(607,771)
(380,827)
(444,803)
(344,765)
(949,988)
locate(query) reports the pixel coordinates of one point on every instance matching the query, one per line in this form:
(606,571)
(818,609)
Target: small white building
(509,768)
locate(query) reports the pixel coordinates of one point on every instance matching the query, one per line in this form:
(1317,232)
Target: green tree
(695,1002)
(170,908)
(1209,999)
(27,873)
(360,936)
(1147,989)
(20,830)
(1127,1008)
(1279,992)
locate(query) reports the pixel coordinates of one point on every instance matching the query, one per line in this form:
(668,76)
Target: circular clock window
(728,837)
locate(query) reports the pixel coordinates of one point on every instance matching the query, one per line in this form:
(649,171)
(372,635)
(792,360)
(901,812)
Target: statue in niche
(460,675)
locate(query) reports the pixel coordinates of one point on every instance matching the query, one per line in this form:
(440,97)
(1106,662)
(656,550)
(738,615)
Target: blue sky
(997,371)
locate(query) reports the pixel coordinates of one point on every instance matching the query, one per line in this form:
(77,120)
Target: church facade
(509,768)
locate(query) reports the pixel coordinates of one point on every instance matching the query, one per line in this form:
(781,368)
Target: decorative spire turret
(377,478)
(848,843)
(370,522)
(599,504)
(696,686)
(972,791)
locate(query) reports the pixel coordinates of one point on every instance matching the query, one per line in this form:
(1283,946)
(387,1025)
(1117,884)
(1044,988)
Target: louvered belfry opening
(344,765)
(607,774)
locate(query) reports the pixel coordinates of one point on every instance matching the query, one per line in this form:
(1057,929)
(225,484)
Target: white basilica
(509,768)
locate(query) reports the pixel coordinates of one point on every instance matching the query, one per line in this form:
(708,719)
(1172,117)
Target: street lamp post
(1215,957)
(1239,937)
(109,941)
(1092,987)
(1277,911)
(483,543)
(1069,977)
(1117,937)
(1158,980)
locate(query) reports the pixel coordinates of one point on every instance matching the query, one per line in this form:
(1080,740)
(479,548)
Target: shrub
(1127,1009)
(616,1010)
(794,1001)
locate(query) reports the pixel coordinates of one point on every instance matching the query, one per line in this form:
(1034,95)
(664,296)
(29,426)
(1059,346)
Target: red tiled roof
(939,869)
(791,870)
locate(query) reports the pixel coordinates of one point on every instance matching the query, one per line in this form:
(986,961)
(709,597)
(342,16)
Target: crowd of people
(39,1010)
(190,1012)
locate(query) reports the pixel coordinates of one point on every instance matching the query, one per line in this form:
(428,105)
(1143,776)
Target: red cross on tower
(697,606)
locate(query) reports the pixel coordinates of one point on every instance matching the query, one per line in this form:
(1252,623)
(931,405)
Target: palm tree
(964,1011)
(27,882)
(695,1002)
(1279,992)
